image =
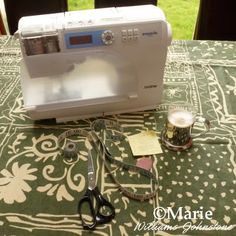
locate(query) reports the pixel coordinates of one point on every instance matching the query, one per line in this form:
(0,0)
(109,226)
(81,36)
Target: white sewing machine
(93,62)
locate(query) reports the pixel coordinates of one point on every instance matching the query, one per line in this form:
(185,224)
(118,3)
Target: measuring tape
(97,137)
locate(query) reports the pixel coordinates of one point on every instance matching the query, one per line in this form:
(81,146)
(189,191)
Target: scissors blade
(91,172)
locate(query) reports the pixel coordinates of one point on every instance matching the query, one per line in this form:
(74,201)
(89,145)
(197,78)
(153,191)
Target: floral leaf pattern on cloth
(14,183)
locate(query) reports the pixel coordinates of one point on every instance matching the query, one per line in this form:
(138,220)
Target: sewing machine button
(124,32)
(124,38)
(130,32)
(107,37)
(136,32)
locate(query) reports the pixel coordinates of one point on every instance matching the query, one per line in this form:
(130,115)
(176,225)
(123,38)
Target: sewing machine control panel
(50,43)
(99,37)
(88,38)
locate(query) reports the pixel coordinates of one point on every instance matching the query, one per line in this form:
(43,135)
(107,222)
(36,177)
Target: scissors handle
(95,212)
(87,202)
(102,202)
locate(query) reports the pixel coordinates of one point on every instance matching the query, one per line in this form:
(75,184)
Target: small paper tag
(145,163)
(144,143)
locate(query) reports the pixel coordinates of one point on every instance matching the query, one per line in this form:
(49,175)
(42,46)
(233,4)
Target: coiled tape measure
(97,142)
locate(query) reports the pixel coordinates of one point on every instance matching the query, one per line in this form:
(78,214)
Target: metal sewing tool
(96,213)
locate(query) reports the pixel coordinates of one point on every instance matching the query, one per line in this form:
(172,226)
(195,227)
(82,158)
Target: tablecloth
(39,190)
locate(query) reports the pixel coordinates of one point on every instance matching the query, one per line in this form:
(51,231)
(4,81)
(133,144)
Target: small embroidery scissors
(96,211)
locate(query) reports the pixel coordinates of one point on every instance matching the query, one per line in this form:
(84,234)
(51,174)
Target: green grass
(181,14)
(80,4)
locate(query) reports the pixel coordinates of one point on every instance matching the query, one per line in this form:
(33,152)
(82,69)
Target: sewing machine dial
(108,37)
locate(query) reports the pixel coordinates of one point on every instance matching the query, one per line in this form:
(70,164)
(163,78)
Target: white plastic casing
(93,62)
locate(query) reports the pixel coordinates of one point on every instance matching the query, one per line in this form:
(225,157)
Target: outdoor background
(181,14)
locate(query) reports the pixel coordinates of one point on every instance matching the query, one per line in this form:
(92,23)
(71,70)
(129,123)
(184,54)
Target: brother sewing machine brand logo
(150,34)
(150,86)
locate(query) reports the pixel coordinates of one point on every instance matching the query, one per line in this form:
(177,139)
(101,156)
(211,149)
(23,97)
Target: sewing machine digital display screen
(82,39)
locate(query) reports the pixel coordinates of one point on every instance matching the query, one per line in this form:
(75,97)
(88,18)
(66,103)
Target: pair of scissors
(96,213)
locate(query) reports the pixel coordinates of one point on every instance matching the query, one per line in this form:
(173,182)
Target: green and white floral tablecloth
(39,191)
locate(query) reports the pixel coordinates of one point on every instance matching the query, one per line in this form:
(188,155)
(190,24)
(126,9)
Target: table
(39,190)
